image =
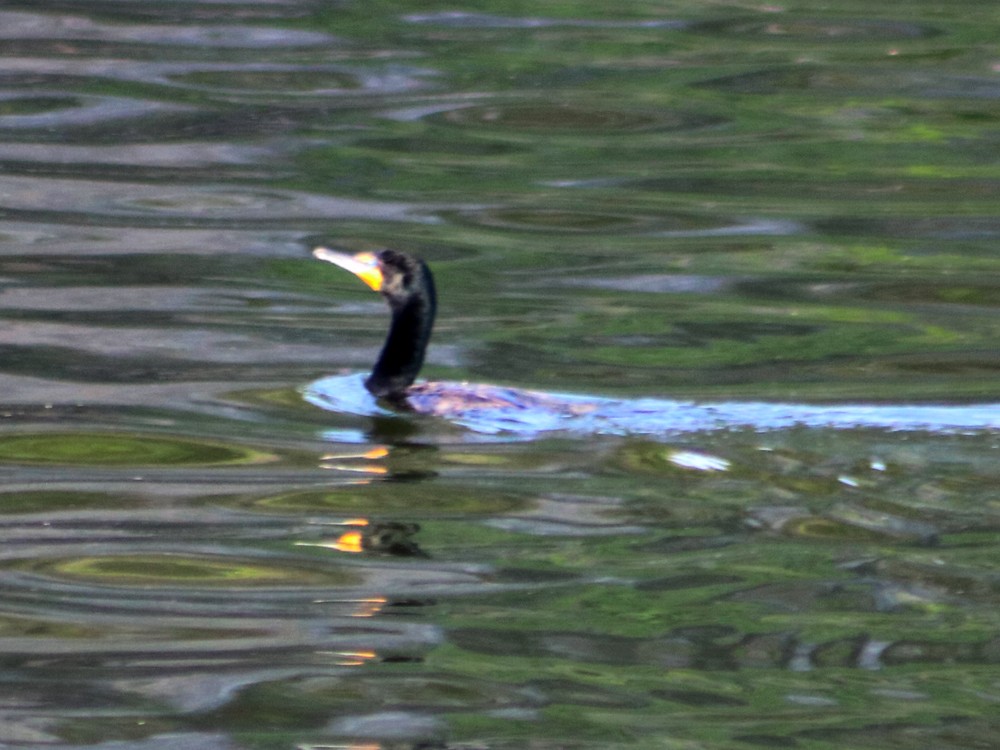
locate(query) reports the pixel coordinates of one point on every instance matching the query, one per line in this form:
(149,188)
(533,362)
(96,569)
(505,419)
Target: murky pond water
(758,242)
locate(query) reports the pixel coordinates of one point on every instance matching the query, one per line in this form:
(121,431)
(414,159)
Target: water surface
(759,241)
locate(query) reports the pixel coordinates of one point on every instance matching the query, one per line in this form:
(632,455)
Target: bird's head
(396,275)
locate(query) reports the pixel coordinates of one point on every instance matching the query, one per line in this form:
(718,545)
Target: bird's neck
(403,352)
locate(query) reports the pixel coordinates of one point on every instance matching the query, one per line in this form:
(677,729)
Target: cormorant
(408,286)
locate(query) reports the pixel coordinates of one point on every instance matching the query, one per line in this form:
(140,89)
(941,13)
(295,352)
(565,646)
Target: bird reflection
(375,537)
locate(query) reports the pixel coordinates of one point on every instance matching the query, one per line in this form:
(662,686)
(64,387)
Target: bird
(407,284)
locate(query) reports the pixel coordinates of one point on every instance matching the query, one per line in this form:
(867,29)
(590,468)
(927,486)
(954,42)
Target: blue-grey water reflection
(757,242)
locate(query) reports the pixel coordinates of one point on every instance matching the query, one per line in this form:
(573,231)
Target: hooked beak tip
(364,265)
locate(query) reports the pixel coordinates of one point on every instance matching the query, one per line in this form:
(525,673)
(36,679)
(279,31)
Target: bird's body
(459,399)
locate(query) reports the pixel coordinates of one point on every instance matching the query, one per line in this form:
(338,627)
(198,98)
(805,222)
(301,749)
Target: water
(755,245)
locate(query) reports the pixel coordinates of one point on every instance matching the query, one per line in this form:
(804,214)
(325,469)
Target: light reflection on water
(733,220)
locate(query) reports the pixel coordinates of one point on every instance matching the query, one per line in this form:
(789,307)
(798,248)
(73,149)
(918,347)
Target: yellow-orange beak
(363,265)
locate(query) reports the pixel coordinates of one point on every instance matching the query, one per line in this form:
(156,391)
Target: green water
(648,203)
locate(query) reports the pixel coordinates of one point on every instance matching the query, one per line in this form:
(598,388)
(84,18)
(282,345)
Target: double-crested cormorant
(408,287)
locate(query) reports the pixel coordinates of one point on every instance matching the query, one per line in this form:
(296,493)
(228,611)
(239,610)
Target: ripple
(57,501)
(925,227)
(956,87)
(274,79)
(31,104)
(27,238)
(666,283)
(212,202)
(895,189)
(79,448)
(208,11)
(661,225)
(423,144)
(841,80)
(819,29)
(912,291)
(752,226)
(184,570)
(149,299)
(93,201)
(555,220)
(284,78)
(287,80)
(573,118)
(85,160)
(110,120)
(208,572)
(363,498)
(58,109)
(465,20)
(797,78)
(33,26)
